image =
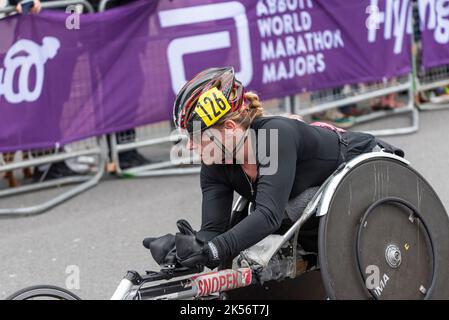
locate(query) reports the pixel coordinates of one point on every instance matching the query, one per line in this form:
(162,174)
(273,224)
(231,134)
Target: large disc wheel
(385,235)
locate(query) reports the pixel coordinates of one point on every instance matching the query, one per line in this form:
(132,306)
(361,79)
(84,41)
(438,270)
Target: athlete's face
(207,145)
(210,144)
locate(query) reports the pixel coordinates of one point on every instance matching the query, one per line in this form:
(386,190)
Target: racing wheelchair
(383,234)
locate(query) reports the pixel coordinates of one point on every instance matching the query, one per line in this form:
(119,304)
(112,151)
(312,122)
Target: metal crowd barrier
(158,136)
(102,6)
(92,149)
(309,103)
(54,5)
(427,80)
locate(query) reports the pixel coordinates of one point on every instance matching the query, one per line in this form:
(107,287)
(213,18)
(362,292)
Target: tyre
(43,292)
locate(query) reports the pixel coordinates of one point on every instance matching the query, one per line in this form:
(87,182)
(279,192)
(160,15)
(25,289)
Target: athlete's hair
(250,110)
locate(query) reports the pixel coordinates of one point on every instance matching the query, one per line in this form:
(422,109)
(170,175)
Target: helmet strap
(237,147)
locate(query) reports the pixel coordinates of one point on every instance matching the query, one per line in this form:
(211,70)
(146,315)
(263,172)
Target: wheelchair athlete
(214,109)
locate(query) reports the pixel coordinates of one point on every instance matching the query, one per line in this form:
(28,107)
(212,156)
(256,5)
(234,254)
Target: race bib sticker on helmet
(212,105)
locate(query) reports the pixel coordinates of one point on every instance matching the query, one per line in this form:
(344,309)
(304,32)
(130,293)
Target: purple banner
(65,77)
(434,23)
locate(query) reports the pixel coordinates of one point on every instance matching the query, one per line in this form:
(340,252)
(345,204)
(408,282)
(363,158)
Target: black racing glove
(191,251)
(162,249)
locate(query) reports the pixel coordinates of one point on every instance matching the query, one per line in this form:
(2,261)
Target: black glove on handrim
(162,249)
(191,252)
(184,249)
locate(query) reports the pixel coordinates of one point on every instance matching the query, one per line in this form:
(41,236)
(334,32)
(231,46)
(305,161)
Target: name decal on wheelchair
(220,281)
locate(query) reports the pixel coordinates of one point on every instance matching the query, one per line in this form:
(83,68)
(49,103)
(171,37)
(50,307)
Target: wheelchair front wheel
(43,292)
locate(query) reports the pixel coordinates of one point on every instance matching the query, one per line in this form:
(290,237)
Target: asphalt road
(99,233)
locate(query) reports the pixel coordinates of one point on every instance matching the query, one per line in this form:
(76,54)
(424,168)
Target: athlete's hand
(192,252)
(162,249)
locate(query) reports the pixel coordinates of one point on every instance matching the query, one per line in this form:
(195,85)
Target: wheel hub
(393,256)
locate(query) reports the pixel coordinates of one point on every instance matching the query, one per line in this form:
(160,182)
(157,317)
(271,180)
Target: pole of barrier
(103,4)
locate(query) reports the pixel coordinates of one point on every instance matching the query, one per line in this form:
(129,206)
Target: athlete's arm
(273,192)
(216,202)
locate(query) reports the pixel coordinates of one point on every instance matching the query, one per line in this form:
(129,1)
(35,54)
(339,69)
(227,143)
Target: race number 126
(212,105)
